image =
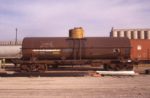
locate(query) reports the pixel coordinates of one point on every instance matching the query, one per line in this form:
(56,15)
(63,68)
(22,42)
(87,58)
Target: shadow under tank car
(40,52)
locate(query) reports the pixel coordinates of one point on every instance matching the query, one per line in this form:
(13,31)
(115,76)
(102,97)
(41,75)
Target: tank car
(40,52)
(10,52)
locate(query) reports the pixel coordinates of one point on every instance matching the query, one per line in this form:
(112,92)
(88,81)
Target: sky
(54,18)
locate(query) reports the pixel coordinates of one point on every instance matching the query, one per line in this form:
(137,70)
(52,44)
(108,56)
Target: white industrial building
(131,33)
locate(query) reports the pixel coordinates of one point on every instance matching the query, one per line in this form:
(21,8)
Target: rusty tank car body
(75,49)
(40,52)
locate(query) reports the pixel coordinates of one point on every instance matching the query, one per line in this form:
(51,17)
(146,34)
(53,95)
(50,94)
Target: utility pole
(16,39)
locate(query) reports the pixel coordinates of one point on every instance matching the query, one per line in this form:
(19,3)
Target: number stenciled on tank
(46,44)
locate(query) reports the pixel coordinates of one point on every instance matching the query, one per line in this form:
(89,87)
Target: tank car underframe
(42,65)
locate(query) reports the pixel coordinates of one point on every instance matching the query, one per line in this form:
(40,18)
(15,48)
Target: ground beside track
(76,87)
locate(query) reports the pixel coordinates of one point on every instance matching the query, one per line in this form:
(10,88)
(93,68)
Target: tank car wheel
(33,68)
(24,68)
(110,67)
(106,67)
(119,67)
(42,68)
(113,67)
(129,67)
(124,67)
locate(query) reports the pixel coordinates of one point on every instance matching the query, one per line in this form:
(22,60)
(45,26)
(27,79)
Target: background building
(131,33)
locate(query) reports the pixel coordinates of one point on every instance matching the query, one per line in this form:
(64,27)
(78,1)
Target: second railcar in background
(10,51)
(40,52)
(140,50)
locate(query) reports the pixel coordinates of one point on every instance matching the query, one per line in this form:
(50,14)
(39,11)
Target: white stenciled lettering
(46,50)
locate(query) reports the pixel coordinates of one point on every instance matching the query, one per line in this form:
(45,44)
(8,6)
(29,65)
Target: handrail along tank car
(40,52)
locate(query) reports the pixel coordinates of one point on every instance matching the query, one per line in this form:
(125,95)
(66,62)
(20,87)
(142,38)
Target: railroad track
(45,74)
(64,71)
